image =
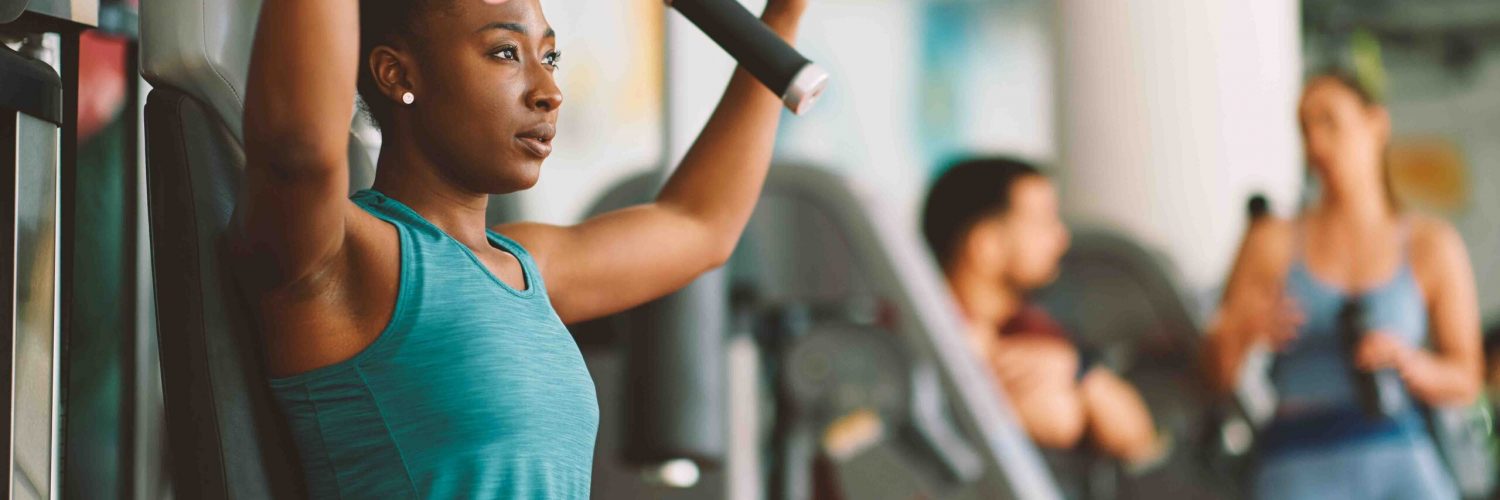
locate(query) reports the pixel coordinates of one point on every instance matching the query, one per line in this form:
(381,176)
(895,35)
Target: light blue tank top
(474,389)
(1316,391)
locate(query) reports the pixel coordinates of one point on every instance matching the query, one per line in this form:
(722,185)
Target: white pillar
(1171,114)
(697,72)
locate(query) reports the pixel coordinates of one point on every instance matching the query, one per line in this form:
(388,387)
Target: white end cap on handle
(805,88)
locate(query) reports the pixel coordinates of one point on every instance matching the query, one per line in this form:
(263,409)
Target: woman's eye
(505,53)
(552,59)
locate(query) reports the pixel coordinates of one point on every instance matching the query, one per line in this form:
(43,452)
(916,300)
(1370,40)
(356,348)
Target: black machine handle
(766,56)
(1378,391)
(1258,206)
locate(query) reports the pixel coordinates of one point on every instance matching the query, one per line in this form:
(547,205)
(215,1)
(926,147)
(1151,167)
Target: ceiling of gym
(1399,19)
(1454,32)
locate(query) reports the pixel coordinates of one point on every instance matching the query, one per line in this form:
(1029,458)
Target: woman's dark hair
(384,22)
(967,192)
(1367,96)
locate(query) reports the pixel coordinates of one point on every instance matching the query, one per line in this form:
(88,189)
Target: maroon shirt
(1033,320)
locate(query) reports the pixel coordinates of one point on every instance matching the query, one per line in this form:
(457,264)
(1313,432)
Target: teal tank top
(474,389)
(1318,405)
(1313,372)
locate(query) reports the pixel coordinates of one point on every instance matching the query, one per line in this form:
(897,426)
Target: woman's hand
(783,17)
(1272,318)
(1280,323)
(1383,351)
(1254,309)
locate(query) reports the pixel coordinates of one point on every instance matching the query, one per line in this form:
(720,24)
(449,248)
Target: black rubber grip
(1258,206)
(759,50)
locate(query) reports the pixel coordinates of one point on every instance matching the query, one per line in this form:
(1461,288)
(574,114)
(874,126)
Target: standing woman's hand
(1379,350)
(1384,351)
(1274,320)
(1255,309)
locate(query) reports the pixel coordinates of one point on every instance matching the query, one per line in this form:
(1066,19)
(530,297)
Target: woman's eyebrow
(514,27)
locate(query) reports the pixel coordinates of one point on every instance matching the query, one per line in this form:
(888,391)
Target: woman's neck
(985,301)
(1361,206)
(410,177)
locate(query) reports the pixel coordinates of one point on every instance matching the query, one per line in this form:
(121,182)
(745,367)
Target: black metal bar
(33,22)
(67,191)
(130,337)
(8,166)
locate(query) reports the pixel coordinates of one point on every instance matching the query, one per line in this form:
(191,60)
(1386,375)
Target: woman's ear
(392,69)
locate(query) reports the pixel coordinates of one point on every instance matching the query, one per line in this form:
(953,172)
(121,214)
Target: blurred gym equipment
(38,153)
(30,115)
(869,384)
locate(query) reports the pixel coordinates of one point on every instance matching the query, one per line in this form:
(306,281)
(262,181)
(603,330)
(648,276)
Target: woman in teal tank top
(416,353)
(1352,252)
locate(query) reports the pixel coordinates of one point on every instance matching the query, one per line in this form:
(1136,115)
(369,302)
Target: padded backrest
(11,9)
(202,49)
(226,438)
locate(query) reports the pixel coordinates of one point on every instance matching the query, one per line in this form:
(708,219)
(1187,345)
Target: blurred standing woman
(1408,280)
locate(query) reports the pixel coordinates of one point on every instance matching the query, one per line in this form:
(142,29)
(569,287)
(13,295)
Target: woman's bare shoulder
(1434,234)
(1436,246)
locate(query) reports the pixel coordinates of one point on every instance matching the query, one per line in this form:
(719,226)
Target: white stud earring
(408,98)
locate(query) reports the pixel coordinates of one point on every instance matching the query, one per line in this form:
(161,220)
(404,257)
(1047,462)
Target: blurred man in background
(993,225)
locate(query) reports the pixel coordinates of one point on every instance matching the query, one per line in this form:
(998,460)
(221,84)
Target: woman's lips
(538,139)
(537,147)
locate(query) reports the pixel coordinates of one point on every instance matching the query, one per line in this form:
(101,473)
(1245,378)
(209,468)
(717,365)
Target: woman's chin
(521,176)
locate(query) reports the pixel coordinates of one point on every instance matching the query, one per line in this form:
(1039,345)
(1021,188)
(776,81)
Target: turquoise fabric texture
(474,390)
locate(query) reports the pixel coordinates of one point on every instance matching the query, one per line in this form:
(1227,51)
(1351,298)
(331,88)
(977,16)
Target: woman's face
(1344,137)
(486,100)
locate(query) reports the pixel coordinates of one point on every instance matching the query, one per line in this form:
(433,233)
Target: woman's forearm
(1437,381)
(1225,352)
(720,178)
(300,88)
